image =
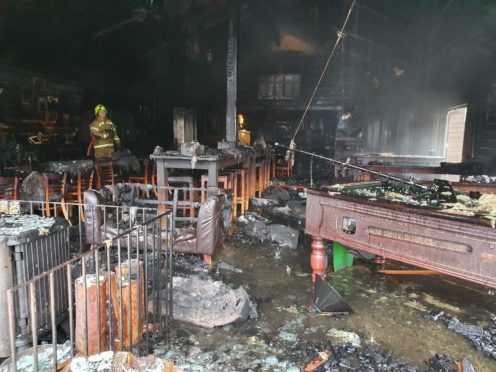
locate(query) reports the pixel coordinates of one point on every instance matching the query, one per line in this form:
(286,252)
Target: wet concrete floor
(388,314)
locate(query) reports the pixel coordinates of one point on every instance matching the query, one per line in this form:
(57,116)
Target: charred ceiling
(178,48)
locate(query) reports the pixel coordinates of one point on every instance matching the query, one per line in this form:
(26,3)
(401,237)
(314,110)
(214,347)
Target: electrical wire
(340,36)
(311,171)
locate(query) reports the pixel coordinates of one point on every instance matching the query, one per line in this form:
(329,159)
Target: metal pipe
(85,286)
(130,307)
(12,332)
(54,323)
(109,292)
(71,307)
(34,324)
(352,166)
(98,284)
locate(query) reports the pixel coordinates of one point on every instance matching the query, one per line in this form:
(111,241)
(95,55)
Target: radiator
(22,261)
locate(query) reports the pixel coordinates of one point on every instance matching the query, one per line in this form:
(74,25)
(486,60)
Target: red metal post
(318,258)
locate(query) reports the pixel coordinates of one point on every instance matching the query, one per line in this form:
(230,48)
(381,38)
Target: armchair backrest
(94,216)
(210,224)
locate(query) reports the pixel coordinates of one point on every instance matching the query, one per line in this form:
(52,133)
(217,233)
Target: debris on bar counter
(482,338)
(192,148)
(209,303)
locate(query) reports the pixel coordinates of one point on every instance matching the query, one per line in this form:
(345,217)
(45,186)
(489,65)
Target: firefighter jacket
(105,134)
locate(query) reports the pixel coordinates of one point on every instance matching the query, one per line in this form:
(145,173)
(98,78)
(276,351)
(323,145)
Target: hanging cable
(311,171)
(340,36)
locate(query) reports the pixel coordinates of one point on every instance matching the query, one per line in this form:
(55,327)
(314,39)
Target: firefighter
(104,134)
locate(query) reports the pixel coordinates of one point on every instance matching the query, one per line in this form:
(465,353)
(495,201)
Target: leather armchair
(205,238)
(208,234)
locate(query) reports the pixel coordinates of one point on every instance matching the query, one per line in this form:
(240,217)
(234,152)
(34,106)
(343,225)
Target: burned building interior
(248,185)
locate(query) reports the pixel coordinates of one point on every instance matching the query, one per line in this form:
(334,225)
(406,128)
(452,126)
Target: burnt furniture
(464,247)
(208,234)
(54,187)
(29,246)
(9,188)
(204,239)
(212,162)
(104,173)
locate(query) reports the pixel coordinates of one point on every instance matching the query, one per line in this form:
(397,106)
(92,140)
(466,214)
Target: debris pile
(481,179)
(483,338)
(25,359)
(467,204)
(24,225)
(32,188)
(258,228)
(284,236)
(445,363)
(347,357)
(121,361)
(277,194)
(71,166)
(209,303)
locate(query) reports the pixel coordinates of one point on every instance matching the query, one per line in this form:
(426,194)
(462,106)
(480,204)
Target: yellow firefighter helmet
(99,108)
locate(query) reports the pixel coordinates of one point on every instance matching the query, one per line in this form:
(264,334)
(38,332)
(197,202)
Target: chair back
(54,184)
(105,173)
(210,224)
(9,188)
(94,216)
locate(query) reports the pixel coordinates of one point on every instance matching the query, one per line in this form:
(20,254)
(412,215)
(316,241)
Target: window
(279,86)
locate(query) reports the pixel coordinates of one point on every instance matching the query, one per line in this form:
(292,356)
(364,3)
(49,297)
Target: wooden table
(212,164)
(461,246)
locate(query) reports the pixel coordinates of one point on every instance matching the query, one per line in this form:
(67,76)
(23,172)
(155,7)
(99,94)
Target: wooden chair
(74,192)
(273,165)
(9,188)
(145,178)
(54,185)
(227,180)
(286,170)
(184,195)
(104,173)
(260,171)
(268,170)
(241,196)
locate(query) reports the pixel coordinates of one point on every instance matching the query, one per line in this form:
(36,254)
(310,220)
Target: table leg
(161,184)
(318,257)
(213,173)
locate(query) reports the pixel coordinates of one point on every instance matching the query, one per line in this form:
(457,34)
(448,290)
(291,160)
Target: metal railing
(144,206)
(119,295)
(117,218)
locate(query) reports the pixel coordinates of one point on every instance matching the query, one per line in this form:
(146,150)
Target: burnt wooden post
(232,73)
(91,314)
